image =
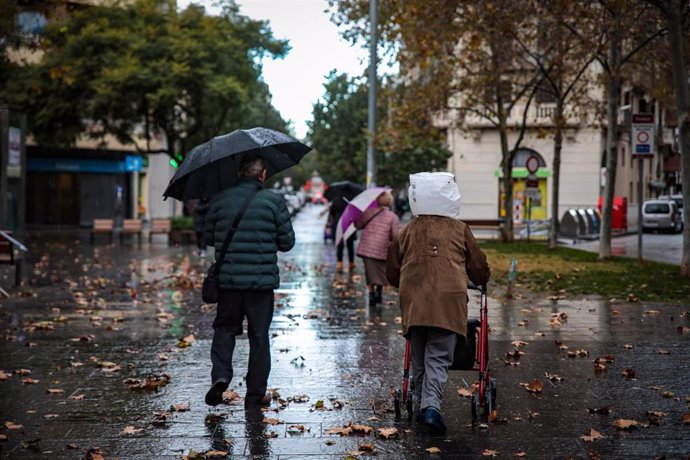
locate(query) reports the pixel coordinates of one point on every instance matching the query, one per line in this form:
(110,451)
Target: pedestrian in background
(248,275)
(336,210)
(379,226)
(199,216)
(430,262)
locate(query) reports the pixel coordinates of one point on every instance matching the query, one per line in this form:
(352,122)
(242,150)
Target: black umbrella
(213,166)
(344,189)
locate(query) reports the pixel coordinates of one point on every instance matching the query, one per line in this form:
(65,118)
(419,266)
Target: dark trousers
(350,250)
(233,307)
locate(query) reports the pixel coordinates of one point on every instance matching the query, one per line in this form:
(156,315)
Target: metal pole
(529,217)
(640,190)
(4,154)
(371,152)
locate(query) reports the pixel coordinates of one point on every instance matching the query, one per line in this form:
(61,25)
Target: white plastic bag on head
(434,193)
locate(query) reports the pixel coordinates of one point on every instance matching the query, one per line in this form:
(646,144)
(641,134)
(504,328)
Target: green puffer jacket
(251,261)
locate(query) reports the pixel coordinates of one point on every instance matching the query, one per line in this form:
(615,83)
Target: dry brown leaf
(22,372)
(686,418)
(162,357)
(661,351)
(186,341)
(629,373)
(651,312)
(466,393)
(367,447)
(362,428)
(433,450)
(180,407)
(553,377)
(29,381)
(215,454)
(131,430)
(521,454)
(489,453)
(518,343)
(604,410)
(592,436)
(77,397)
(3,437)
(388,432)
(624,424)
(230,396)
(4,376)
(13,426)
(55,391)
(536,386)
(272,421)
(342,431)
(578,353)
(628,346)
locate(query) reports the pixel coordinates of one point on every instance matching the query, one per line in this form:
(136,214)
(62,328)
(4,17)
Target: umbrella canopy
(354,209)
(344,189)
(213,166)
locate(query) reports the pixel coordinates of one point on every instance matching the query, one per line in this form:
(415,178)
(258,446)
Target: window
(657,208)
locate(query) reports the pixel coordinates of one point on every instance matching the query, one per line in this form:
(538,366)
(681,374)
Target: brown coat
(430,261)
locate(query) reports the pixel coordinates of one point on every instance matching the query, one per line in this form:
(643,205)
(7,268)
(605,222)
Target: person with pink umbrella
(379,226)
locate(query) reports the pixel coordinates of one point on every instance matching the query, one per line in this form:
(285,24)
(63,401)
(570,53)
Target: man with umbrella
(247,225)
(248,276)
(339,194)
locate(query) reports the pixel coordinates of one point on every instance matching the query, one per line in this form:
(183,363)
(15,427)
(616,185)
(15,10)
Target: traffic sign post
(642,137)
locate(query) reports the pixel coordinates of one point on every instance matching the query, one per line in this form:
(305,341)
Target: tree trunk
(507,167)
(612,102)
(557,147)
(680,87)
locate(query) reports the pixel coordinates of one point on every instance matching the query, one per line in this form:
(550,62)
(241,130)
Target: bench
(102,227)
(8,257)
(131,227)
(160,227)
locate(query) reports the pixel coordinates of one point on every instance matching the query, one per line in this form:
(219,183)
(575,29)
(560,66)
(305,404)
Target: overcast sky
(296,82)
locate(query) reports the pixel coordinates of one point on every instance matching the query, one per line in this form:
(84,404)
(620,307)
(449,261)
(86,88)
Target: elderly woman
(430,261)
(379,225)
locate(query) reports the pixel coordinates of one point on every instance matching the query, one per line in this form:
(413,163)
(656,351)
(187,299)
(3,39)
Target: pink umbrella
(354,209)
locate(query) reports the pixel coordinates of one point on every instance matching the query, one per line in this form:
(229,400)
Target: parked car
(678,198)
(661,215)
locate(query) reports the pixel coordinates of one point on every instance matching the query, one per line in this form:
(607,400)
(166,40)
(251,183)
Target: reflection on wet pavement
(96,322)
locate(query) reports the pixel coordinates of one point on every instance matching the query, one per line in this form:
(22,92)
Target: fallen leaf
(77,397)
(180,407)
(628,346)
(661,351)
(13,426)
(29,381)
(215,453)
(667,394)
(489,453)
(367,447)
(651,312)
(592,436)
(578,353)
(629,373)
(521,454)
(4,376)
(162,357)
(362,428)
(72,446)
(186,341)
(433,450)
(536,386)
(342,431)
(131,430)
(388,432)
(465,393)
(686,418)
(624,424)
(272,421)
(553,377)
(22,372)
(3,437)
(230,396)
(518,343)
(94,454)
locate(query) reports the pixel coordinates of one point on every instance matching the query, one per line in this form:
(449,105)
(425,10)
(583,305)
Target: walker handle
(474,287)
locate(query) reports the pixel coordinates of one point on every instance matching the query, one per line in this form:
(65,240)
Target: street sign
(533,193)
(643,135)
(532,183)
(532,164)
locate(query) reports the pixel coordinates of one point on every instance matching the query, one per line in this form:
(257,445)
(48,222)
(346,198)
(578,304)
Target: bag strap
(232,230)
(372,218)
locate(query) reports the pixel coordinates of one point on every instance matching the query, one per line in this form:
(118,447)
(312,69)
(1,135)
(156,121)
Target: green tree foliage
(339,134)
(136,70)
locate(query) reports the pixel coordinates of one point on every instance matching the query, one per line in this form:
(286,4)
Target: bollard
(512,272)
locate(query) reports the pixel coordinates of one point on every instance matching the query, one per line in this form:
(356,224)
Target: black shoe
(419,416)
(265,400)
(372,298)
(434,420)
(214,396)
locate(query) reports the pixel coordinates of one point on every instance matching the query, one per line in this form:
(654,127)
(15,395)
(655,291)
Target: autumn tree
(459,58)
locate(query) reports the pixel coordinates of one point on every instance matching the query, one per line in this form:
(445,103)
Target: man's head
(252,165)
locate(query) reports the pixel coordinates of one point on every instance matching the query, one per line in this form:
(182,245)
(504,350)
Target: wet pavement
(81,340)
(659,247)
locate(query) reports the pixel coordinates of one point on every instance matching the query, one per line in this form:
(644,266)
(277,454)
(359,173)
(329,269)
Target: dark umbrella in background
(344,189)
(213,166)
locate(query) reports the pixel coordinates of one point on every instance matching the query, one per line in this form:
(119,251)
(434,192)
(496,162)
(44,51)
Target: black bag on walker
(464,354)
